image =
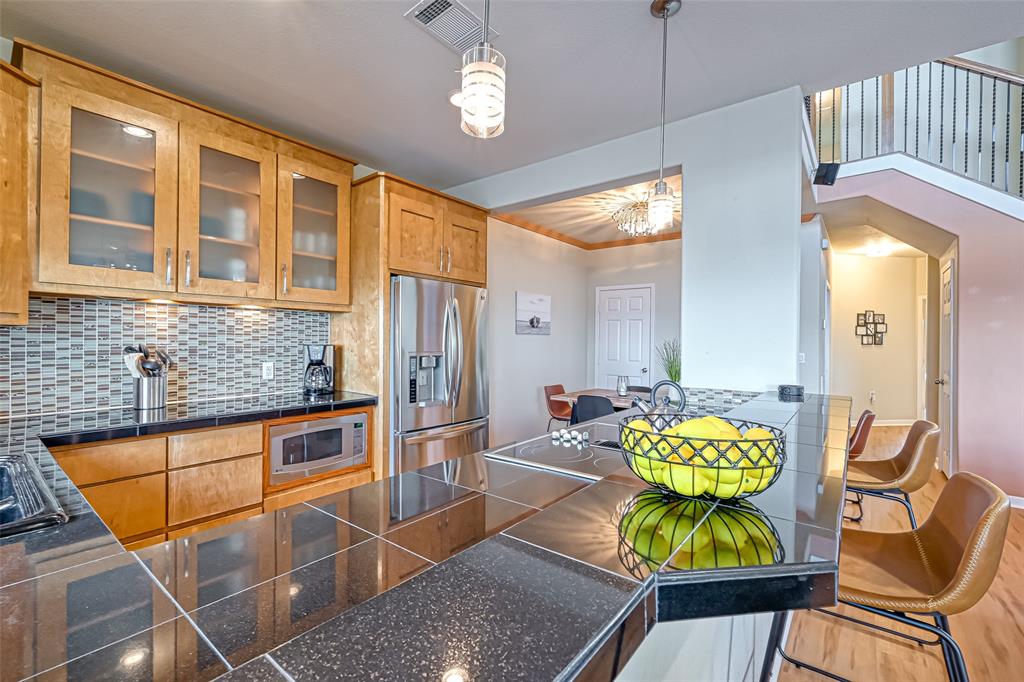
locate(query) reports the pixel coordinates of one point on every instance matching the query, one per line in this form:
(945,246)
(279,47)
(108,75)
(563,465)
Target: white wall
(1007,55)
(522,365)
(659,264)
(741,214)
(5,49)
(814,277)
(887,285)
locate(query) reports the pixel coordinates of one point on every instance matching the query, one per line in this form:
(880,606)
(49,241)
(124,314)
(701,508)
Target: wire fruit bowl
(658,530)
(713,456)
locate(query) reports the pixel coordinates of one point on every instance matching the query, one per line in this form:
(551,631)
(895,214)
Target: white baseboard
(887,422)
(1016,502)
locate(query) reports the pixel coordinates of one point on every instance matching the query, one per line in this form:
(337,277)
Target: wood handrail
(984,69)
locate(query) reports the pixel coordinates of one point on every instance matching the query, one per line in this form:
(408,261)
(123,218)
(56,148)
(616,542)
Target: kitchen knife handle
(168,274)
(284,278)
(188,267)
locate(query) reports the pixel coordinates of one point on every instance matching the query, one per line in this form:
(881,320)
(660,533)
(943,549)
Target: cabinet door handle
(167,274)
(284,278)
(449,259)
(188,267)
(440,259)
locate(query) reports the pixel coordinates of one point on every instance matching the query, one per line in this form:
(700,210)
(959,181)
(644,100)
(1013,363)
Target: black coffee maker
(319,376)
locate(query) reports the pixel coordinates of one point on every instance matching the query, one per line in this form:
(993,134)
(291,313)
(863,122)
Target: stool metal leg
(896,496)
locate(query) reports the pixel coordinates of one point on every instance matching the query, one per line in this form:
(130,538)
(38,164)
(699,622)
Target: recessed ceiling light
(137,131)
(878,250)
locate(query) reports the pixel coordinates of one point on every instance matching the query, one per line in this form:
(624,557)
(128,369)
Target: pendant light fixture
(660,202)
(483,86)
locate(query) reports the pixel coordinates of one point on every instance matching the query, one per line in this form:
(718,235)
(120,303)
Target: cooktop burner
(593,454)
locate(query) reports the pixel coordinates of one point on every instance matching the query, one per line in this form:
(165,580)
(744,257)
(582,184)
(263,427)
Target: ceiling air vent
(451,22)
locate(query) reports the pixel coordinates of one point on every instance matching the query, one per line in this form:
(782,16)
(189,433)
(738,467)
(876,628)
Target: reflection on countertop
(446,568)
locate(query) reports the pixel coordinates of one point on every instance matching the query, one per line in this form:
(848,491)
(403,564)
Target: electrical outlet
(268,370)
(801,358)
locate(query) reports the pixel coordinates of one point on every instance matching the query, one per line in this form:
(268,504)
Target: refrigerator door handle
(460,341)
(446,348)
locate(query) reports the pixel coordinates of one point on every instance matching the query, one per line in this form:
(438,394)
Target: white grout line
(381,537)
(184,614)
(484,492)
(277,666)
(66,568)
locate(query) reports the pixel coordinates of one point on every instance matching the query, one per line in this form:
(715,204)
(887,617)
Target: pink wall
(990,388)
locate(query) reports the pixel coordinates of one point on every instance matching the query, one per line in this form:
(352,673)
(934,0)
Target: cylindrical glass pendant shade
(483,91)
(660,207)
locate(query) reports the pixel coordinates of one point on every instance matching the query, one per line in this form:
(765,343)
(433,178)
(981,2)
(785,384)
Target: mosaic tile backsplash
(69,355)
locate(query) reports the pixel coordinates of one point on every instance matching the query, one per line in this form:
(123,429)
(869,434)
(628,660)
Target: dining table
(619,402)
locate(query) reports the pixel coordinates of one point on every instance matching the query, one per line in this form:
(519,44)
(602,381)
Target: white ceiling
(356,77)
(589,217)
(858,223)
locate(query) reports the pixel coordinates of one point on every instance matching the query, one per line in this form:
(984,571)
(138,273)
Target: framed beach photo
(861,330)
(860,319)
(867,340)
(533,314)
(880,327)
(878,339)
(869,315)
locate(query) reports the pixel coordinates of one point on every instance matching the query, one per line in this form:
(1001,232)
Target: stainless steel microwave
(320,445)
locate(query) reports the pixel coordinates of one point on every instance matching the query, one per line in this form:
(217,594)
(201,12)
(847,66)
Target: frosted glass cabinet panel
(227,216)
(108,189)
(312,233)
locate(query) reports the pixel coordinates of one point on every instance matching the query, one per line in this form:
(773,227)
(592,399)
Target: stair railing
(954,113)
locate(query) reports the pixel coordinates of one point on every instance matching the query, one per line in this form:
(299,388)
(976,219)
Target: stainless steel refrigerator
(439,393)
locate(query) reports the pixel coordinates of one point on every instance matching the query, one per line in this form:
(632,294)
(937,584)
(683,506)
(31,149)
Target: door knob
(940,382)
(643,371)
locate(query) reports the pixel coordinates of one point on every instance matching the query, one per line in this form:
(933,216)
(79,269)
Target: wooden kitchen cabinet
(90,464)
(313,232)
(108,192)
(131,507)
(227,226)
(144,194)
(209,489)
(435,235)
(16,88)
(465,237)
(415,234)
(200,447)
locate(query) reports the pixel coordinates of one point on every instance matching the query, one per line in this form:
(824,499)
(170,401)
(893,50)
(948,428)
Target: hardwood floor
(991,634)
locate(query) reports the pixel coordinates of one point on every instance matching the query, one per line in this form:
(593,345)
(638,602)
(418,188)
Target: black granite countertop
(476,567)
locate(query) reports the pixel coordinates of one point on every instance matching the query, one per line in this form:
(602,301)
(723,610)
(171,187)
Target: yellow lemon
(761,448)
(726,529)
(683,532)
(754,555)
(651,545)
(750,482)
(698,431)
(717,556)
(633,441)
(722,473)
(725,429)
(682,478)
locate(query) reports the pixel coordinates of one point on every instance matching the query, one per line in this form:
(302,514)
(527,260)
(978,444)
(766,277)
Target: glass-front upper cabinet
(312,232)
(108,192)
(226,232)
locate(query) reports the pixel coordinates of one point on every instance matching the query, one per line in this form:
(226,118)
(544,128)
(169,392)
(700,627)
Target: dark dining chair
(589,407)
(558,410)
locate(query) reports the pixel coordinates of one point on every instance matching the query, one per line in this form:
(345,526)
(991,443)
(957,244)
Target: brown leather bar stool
(940,569)
(895,478)
(859,437)
(557,409)
(858,440)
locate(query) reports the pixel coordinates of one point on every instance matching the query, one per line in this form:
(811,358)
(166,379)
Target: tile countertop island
(508,564)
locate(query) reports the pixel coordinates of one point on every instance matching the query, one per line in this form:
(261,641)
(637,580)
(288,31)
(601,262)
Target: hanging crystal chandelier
(482,97)
(660,202)
(632,219)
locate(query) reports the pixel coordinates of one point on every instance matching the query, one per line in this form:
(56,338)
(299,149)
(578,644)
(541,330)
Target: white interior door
(947,373)
(624,319)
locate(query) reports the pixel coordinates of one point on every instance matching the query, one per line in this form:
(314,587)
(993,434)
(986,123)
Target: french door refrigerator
(439,394)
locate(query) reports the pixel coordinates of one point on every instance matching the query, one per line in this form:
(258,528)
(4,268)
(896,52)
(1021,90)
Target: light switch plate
(268,370)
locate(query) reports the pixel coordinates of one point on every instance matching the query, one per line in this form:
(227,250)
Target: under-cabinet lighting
(250,306)
(159,300)
(298,176)
(137,131)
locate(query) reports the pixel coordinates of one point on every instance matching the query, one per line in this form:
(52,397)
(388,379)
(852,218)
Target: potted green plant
(670,356)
